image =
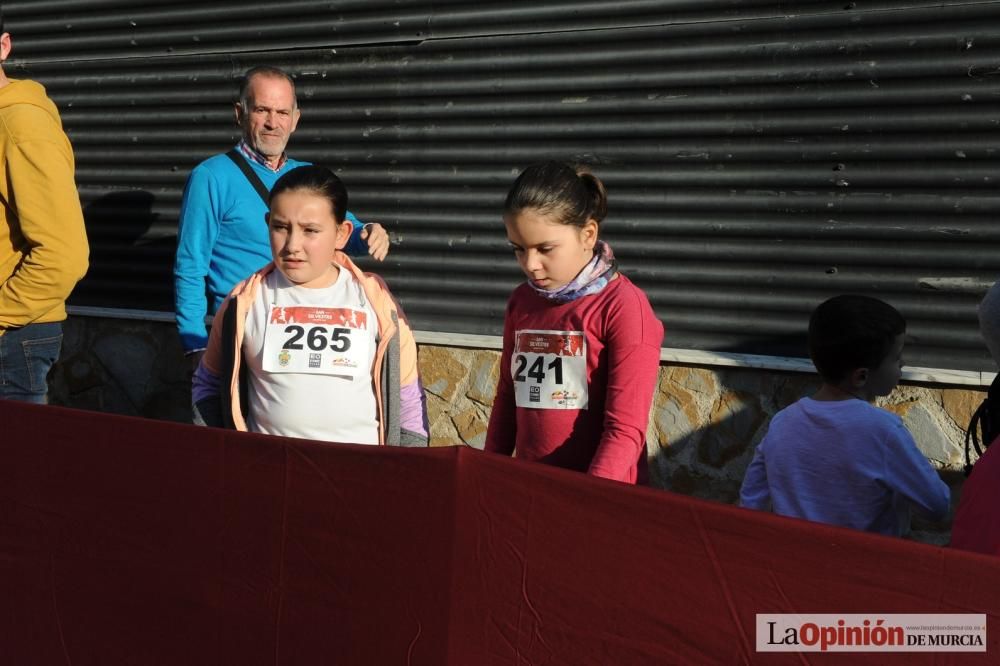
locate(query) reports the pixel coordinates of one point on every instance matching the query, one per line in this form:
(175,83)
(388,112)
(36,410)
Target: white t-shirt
(310,367)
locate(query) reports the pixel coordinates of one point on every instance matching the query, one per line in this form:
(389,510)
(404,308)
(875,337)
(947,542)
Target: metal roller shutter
(759,157)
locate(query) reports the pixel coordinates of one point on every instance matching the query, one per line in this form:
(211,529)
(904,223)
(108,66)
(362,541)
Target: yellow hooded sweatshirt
(43,243)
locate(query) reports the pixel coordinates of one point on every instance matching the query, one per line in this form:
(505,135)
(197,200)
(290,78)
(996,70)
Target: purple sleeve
(754,492)
(412,408)
(204,384)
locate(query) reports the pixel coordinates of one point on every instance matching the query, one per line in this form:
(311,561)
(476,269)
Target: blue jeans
(26,354)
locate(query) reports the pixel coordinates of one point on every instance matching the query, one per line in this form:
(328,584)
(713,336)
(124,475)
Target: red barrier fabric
(126,541)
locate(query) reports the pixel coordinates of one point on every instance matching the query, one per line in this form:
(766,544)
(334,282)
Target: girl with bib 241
(581,344)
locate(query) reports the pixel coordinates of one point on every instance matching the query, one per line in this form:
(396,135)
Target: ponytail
(598,208)
(565,194)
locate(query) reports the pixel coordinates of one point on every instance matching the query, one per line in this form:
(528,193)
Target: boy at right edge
(834,457)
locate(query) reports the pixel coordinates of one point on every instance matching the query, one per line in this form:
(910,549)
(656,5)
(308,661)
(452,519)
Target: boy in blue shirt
(836,458)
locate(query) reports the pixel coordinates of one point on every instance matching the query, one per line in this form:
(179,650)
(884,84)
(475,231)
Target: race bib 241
(549,369)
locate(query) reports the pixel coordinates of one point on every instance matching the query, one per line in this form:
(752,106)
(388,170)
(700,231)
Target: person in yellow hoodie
(43,243)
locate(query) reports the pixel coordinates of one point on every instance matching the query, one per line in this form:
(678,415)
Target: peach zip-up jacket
(402,412)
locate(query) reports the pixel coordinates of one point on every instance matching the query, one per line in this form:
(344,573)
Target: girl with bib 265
(581,344)
(309,346)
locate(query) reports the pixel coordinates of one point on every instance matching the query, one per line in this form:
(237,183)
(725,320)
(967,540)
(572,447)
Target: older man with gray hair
(223,235)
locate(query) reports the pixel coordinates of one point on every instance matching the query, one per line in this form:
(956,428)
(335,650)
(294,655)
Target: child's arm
(907,472)
(501,432)
(205,402)
(754,493)
(413,427)
(633,338)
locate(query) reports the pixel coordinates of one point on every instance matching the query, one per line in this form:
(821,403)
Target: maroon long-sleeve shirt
(600,352)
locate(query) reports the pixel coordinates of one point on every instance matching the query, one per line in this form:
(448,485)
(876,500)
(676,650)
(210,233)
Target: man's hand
(378,240)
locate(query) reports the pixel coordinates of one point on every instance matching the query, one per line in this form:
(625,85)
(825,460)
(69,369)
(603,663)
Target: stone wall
(705,422)
(703,426)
